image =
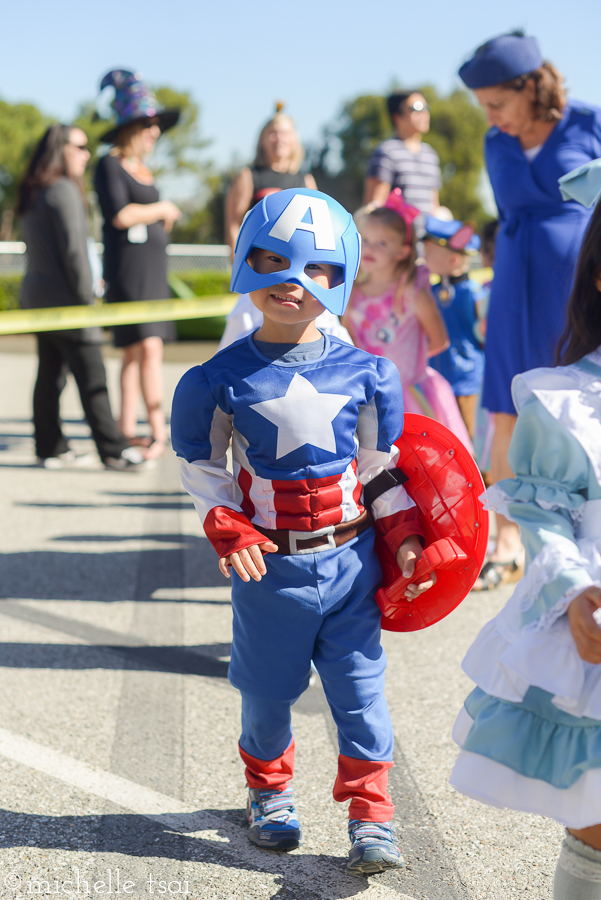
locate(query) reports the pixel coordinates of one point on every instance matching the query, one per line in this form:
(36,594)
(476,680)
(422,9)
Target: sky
(237,58)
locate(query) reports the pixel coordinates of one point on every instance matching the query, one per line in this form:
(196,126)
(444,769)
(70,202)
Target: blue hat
(501,59)
(457,236)
(134,102)
(302,226)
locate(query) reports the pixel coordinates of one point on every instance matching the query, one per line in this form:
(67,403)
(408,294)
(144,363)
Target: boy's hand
(248,563)
(406,557)
(584,628)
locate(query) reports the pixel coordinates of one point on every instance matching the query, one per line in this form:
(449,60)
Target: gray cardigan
(58,267)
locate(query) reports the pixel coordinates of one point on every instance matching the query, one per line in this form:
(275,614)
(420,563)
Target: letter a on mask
(291,220)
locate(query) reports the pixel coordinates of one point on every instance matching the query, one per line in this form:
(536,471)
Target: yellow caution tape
(21,321)
(482,276)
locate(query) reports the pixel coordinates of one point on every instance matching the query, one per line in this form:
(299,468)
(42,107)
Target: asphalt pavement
(119,771)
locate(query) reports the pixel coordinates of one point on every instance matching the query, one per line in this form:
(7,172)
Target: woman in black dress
(276,167)
(136,228)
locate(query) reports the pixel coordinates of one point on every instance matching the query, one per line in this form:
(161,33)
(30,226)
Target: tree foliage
(457,130)
(21,127)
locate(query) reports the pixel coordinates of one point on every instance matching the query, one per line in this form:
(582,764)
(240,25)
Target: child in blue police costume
(530,732)
(447,249)
(313,423)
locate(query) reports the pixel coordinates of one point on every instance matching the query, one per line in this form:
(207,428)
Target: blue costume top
(530,732)
(537,247)
(463,363)
(306,436)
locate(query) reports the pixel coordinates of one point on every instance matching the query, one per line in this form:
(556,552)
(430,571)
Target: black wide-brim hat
(166,120)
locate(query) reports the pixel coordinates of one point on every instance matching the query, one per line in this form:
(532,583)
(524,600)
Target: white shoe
(66,460)
(130,460)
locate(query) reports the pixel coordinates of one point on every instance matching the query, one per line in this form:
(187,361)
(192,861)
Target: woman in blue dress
(536,135)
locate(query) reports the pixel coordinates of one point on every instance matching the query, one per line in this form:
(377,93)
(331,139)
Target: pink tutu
(388,327)
(433,396)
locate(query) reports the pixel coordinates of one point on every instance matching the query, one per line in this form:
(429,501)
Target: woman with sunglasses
(52,209)
(405,161)
(136,229)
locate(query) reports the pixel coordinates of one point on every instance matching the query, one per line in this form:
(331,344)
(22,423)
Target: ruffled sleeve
(552,478)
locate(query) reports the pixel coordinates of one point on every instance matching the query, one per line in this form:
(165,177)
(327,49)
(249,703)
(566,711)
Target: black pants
(58,354)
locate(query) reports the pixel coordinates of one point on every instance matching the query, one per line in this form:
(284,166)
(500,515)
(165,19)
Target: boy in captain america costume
(313,423)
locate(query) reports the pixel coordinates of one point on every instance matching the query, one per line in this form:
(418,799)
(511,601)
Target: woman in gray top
(53,222)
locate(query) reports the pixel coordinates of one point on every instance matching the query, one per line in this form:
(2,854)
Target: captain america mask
(304,230)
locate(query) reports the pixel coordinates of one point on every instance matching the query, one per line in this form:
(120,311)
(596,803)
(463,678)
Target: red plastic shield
(445,483)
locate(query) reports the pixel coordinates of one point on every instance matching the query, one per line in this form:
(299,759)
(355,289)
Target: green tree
(21,127)
(456,133)
(205,223)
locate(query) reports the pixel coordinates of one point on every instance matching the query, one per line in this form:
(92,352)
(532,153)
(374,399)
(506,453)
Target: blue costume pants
(320,607)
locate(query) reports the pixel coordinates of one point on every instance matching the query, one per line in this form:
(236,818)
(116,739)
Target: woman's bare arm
(239,198)
(146,214)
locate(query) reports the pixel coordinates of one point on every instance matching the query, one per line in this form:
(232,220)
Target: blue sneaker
(272,820)
(373,847)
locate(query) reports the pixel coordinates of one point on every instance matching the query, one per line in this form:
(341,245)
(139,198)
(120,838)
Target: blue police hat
(457,236)
(501,59)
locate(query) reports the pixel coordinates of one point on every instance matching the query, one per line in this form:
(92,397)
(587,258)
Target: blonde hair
(391,219)
(298,154)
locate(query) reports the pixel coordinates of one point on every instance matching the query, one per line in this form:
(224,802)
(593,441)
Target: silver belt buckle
(294,536)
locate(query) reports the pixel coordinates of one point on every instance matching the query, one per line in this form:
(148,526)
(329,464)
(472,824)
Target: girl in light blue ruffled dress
(530,732)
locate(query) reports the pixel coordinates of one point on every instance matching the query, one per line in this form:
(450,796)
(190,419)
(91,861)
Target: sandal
(494,574)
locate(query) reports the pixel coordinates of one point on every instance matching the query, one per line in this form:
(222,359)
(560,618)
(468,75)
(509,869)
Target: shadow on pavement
(110,576)
(170,505)
(223,843)
(188,539)
(202,659)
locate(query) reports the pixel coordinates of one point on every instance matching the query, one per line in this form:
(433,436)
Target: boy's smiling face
(287,303)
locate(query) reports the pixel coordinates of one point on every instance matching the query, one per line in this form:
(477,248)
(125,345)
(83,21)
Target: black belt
(291,543)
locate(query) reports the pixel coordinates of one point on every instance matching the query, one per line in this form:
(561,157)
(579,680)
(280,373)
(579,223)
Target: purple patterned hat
(134,101)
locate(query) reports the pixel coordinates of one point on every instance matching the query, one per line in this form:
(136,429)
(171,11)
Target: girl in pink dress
(392,312)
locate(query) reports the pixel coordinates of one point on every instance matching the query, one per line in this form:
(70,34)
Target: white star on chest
(303,416)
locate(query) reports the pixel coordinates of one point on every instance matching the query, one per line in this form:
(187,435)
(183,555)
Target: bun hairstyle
(261,160)
(550,93)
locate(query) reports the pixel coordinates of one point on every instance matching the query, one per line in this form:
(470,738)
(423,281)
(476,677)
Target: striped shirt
(416,174)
